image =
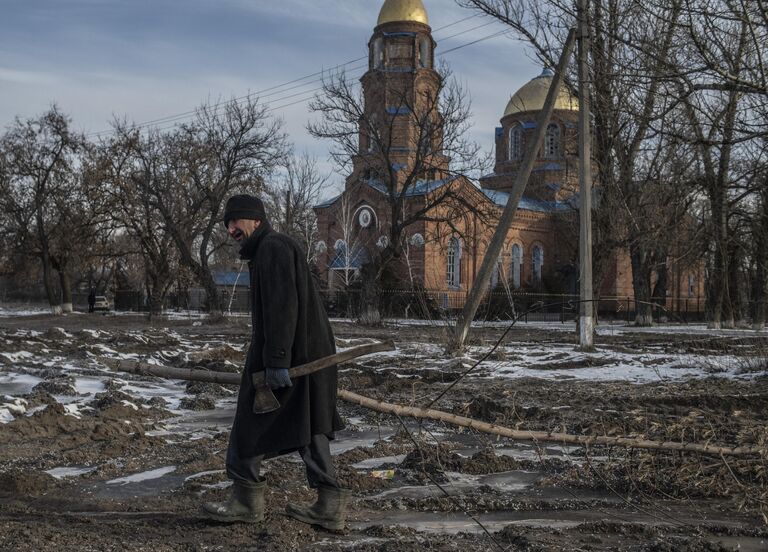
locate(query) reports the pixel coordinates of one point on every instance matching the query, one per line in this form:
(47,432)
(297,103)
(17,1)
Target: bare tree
(416,145)
(292,198)
(131,166)
(632,46)
(226,149)
(40,195)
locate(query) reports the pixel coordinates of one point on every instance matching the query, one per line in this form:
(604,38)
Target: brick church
(443,247)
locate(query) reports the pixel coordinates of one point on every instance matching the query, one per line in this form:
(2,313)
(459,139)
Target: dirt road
(92,460)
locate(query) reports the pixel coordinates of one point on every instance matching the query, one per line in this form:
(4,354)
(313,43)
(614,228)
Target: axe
(264,400)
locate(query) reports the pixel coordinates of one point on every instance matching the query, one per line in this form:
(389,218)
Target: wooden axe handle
(338,358)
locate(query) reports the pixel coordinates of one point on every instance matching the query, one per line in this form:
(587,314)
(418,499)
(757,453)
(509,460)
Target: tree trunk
(641,284)
(719,276)
(760,277)
(369,313)
(662,281)
(215,309)
(66,290)
(48,283)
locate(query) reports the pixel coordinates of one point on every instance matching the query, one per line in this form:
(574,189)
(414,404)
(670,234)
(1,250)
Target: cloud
(20,76)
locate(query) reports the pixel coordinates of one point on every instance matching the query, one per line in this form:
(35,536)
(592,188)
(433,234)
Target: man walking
(290,327)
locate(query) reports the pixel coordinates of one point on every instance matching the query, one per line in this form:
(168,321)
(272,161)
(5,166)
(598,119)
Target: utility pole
(521,180)
(586,306)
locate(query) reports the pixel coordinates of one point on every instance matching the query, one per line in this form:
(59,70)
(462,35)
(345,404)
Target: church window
(496,275)
(538,261)
(691,285)
(517,265)
(399,51)
(552,142)
(454,263)
(515,142)
(424,53)
(372,124)
(378,53)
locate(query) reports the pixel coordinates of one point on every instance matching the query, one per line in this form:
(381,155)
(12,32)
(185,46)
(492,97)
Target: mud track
(92,461)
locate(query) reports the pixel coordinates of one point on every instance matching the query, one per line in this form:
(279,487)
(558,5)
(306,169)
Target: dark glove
(278,377)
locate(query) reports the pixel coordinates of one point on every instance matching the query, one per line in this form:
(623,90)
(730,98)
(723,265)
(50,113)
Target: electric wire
(297,82)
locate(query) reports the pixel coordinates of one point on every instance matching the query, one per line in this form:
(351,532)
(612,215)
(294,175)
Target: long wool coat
(290,327)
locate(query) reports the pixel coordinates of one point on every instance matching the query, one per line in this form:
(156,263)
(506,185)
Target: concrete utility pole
(497,242)
(586,306)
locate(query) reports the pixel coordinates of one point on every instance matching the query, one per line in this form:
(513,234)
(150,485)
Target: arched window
(424,54)
(341,258)
(517,265)
(538,261)
(515,142)
(378,53)
(552,142)
(691,285)
(496,275)
(453,268)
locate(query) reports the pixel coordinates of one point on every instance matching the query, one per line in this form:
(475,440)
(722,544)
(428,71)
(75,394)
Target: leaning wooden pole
(521,180)
(441,416)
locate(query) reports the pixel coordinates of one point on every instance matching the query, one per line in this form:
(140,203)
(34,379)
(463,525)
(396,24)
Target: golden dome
(532,95)
(403,10)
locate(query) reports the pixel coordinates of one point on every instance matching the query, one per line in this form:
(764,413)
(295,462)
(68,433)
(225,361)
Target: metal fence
(436,304)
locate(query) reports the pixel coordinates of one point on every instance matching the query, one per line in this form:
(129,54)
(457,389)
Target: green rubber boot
(329,512)
(245,504)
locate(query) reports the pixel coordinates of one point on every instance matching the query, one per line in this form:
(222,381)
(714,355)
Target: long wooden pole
(545,436)
(521,180)
(447,417)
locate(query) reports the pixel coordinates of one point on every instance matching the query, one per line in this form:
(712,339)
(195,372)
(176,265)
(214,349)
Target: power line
(280,88)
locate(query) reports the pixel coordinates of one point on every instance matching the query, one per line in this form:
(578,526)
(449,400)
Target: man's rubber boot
(329,512)
(245,504)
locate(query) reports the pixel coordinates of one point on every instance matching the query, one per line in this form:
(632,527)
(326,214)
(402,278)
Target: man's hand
(278,377)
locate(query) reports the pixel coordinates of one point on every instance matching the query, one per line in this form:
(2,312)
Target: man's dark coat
(290,327)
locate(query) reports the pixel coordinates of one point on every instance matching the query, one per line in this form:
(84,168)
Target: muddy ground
(98,461)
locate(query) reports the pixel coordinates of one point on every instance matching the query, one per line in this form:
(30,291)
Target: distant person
(91,300)
(290,327)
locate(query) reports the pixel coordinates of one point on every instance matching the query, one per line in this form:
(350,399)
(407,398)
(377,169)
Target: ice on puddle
(142,476)
(10,410)
(60,473)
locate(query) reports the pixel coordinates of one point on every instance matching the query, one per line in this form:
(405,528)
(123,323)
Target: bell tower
(400,118)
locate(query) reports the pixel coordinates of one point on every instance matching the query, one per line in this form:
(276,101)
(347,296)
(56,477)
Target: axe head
(264,400)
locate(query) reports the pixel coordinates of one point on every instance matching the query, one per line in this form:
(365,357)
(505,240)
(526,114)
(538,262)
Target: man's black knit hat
(244,206)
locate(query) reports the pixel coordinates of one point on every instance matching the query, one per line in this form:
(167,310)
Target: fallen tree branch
(547,436)
(441,416)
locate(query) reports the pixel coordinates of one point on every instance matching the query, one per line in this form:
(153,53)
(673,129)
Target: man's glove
(278,377)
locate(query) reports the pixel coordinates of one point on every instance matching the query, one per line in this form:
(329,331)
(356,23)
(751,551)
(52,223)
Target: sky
(142,60)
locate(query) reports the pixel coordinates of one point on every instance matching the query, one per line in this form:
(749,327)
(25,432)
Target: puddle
(347,440)
(199,424)
(89,386)
(142,476)
(148,483)
(372,463)
(511,481)
(452,523)
(17,384)
(526,451)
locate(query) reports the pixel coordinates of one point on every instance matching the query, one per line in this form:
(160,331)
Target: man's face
(241,229)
